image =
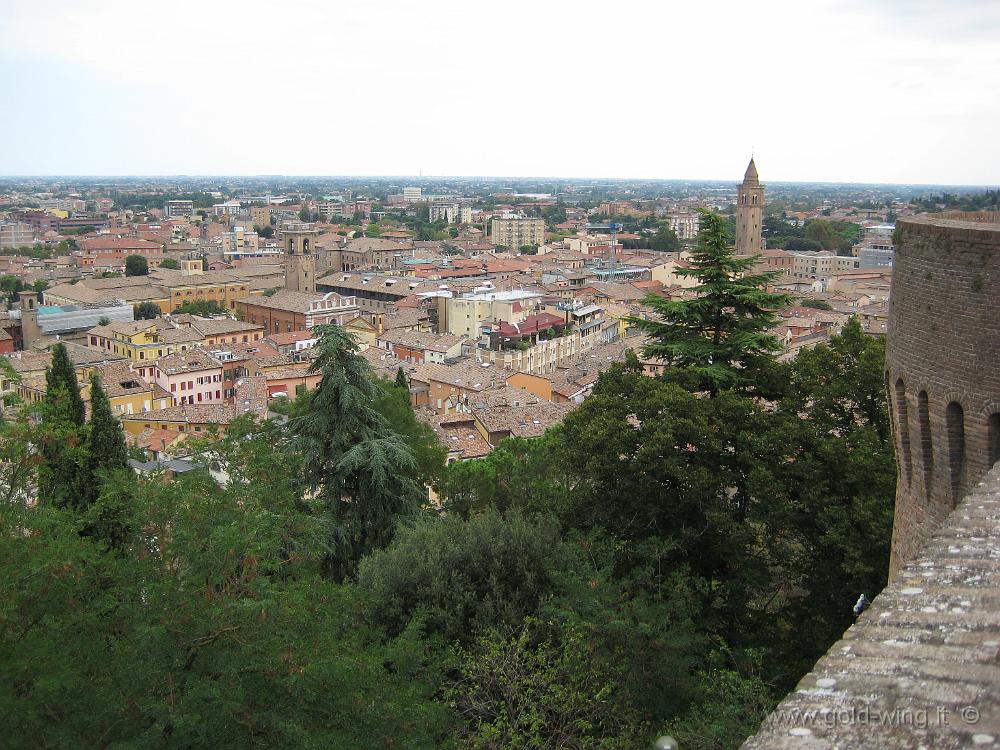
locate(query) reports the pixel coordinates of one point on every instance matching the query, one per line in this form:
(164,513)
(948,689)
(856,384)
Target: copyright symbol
(970,715)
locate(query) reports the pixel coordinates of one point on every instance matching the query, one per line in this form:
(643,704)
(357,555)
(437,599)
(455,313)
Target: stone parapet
(921,667)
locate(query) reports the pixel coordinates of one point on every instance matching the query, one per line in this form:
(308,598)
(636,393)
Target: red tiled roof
(531,324)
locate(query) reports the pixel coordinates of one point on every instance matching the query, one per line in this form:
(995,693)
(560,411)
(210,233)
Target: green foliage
(136,265)
(146,311)
(203,307)
(428,453)
(461,578)
(801,245)
(841,485)
(18,459)
(210,625)
(729,707)
(11,287)
(519,473)
(61,450)
(170,263)
(816,304)
(362,470)
(720,338)
(106,450)
(835,236)
(988,200)
(659,562)
(518,692)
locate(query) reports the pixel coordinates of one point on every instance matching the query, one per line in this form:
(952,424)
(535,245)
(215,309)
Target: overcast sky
(820,90)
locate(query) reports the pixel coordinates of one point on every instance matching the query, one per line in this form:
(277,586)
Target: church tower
(750,213)
(300,260)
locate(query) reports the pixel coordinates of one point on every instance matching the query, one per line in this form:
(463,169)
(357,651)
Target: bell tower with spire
(750,213)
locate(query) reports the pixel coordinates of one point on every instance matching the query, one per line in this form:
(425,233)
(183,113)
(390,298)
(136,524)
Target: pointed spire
(751,175)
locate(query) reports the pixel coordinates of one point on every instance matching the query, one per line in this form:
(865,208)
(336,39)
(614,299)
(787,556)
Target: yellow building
(142,341)
(145,341)
(168,289)
(221,288)
(363,331)
(125,388)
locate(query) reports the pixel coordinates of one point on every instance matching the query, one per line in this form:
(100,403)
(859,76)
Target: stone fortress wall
(942,367)
(921,667)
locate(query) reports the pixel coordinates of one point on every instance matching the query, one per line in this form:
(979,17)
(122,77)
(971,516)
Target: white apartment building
(820,265)
(412,195)
(239,242)
(467,313)
(684,225)
(178,208)
(229,208)
(453,213)
(515,232)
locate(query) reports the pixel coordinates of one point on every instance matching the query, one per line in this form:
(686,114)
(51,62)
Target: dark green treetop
(106,449)
(356,463)
(136,265)
(716,340)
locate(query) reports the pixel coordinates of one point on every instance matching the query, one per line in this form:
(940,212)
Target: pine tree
(401,378)
(62,451)
(716,340)
(354,461)
(106,445)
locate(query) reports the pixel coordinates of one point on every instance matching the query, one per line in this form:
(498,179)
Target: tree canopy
(718,338)
(660,562)
(203,307)
(136,265)
(146,311)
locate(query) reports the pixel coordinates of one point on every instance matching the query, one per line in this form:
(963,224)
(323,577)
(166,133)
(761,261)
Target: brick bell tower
(300,260)
(750,213)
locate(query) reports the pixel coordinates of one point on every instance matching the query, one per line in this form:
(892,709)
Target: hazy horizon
(483,177)
(834,91)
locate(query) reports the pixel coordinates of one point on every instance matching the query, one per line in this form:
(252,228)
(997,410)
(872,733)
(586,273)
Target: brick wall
(942,367)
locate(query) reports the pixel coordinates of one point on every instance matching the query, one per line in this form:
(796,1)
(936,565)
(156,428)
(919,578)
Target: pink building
(191,377)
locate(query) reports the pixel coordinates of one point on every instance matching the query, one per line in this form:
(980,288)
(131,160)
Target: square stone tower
(299,239)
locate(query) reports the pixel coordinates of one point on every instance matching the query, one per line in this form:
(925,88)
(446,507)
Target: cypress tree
(61,449)
(105,443)
(401,378)
(719,339)
(62,391)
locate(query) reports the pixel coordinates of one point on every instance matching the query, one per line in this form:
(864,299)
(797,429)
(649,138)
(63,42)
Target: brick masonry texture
(921,667)
(944,342)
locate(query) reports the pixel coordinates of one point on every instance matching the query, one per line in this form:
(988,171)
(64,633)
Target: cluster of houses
(494,341)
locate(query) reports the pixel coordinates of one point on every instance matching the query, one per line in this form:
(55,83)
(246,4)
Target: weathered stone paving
(921,667)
